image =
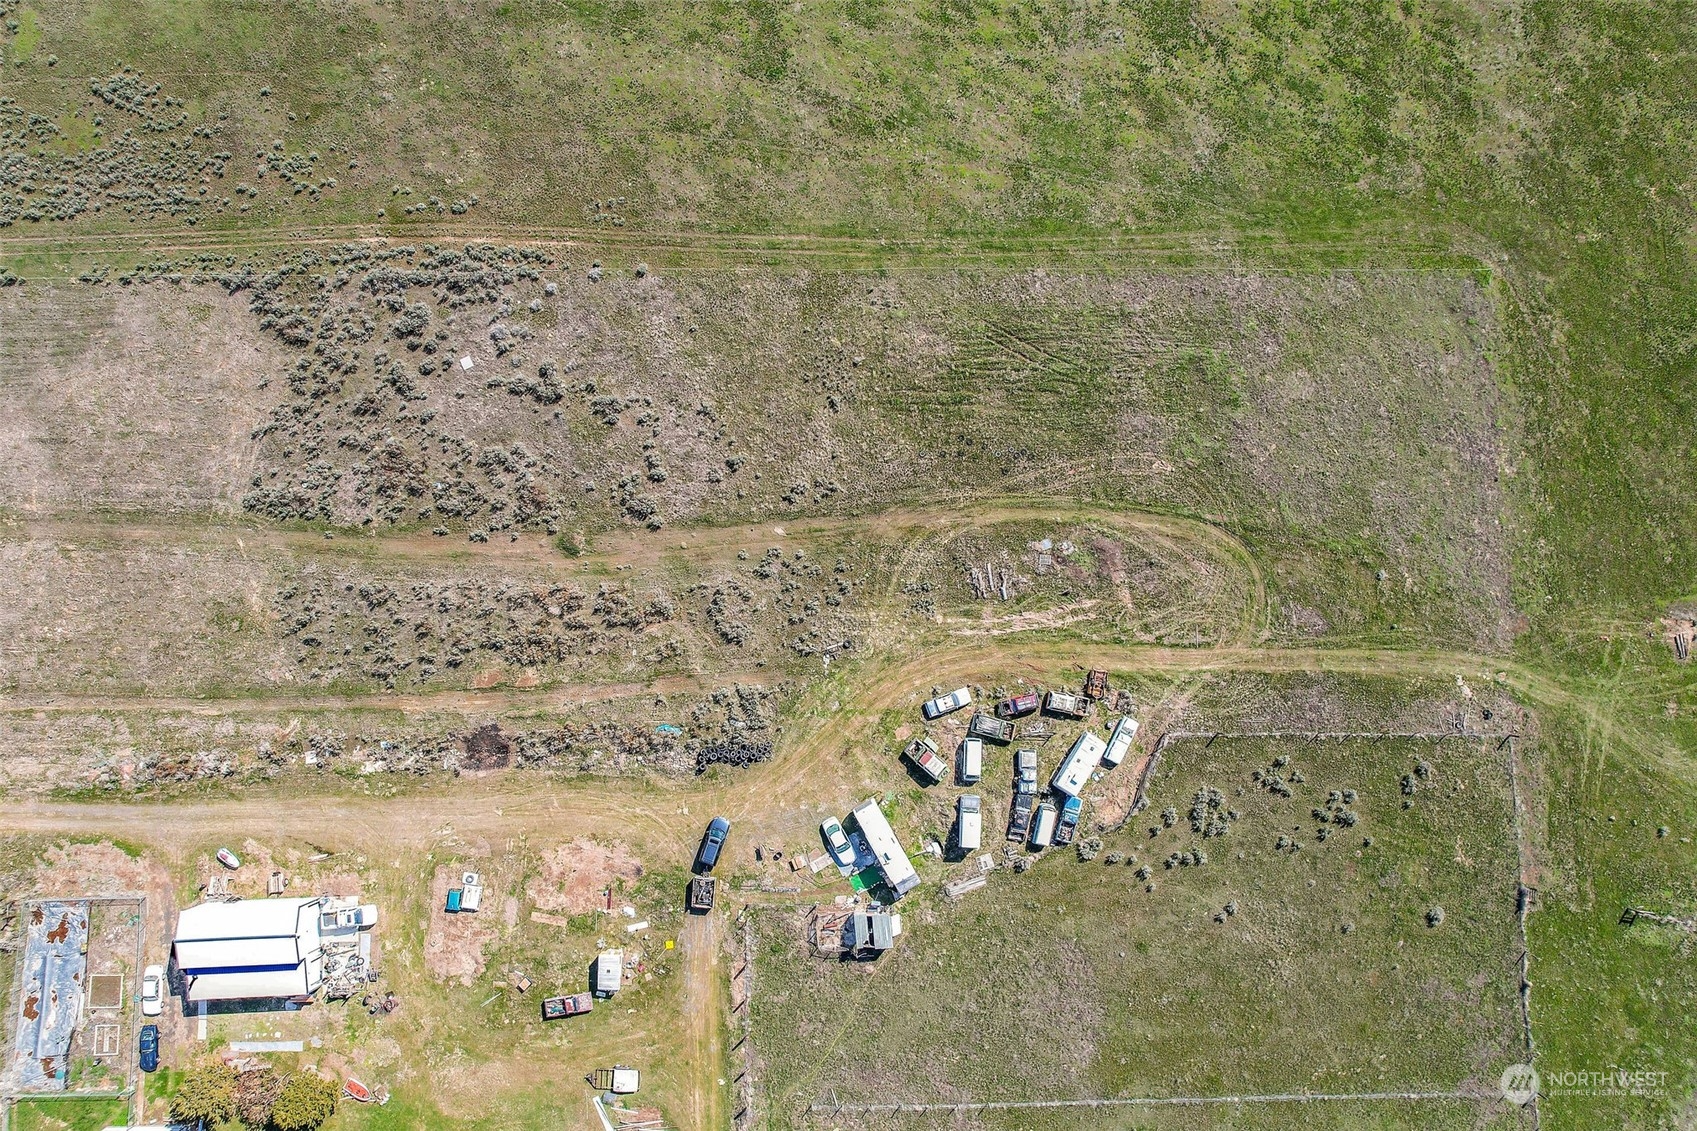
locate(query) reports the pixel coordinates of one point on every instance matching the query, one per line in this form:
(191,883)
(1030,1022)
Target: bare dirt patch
(574,877)
(95,870)
(142,397)
(453,946)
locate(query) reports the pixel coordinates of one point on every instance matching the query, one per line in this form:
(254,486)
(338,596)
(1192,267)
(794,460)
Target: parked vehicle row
(1033,817)
(1024,794)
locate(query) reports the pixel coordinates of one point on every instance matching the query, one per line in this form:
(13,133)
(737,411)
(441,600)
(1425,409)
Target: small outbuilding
(608,973)
(868,934)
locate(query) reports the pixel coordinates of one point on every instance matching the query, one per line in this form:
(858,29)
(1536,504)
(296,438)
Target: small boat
(356,1090)
(229,859)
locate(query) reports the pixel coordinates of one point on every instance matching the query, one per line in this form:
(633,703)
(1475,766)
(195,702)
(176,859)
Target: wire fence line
(1524,893)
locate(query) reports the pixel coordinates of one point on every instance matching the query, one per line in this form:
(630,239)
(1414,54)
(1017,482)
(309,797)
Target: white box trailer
(1081,761)
(969,761)
(892,861)
(969,822)
(1119,742)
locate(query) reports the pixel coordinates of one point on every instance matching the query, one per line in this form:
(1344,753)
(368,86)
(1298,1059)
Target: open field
(502,435)
(1067,981)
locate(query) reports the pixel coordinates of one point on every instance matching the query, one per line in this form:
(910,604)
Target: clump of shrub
(207,1095)
(1088,847)
(304,1102)
(1435,916)
(1208,813)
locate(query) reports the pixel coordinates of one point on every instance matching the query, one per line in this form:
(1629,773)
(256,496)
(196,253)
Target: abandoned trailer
(891,861)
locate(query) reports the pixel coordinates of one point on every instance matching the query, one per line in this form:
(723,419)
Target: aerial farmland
(754,567)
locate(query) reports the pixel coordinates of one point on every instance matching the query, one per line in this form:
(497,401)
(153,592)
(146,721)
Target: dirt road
(825,757)
(703,1020)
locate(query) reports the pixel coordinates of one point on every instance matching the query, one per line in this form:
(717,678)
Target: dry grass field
(507,434)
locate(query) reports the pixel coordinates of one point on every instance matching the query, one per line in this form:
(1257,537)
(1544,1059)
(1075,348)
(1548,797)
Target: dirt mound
(574,877)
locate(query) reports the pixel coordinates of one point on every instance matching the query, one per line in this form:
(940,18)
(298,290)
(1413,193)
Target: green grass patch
(69,1114)
(1072,980)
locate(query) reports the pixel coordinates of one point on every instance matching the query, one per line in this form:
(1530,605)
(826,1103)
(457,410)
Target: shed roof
(609,971)
(296,981)
(252,948)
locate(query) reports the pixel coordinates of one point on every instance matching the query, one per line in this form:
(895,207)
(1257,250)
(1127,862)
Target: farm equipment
(567,1005)
(701,892)
(620,1079)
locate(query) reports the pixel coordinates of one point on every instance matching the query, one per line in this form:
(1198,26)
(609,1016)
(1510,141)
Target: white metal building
(253,948)
(881,839)
(1081,762)
(871,931)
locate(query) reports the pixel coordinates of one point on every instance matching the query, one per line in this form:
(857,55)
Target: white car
(153,991)
(943,704)
(837,842)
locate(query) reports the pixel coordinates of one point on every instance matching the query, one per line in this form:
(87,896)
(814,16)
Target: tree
(306,1101)
(207,1095)
(256,1095)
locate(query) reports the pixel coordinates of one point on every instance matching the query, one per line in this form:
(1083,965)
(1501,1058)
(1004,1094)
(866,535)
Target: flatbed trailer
(702,889)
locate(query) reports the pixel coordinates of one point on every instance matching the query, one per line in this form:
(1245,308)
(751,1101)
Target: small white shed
(609,973)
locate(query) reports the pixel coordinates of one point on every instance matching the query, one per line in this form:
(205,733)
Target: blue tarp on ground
(54,976)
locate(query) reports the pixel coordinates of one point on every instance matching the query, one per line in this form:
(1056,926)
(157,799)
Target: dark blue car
(149,1047)
(708,855)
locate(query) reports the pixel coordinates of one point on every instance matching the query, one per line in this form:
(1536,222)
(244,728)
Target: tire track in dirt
(1183,245)
(703,1019)
(466,702)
